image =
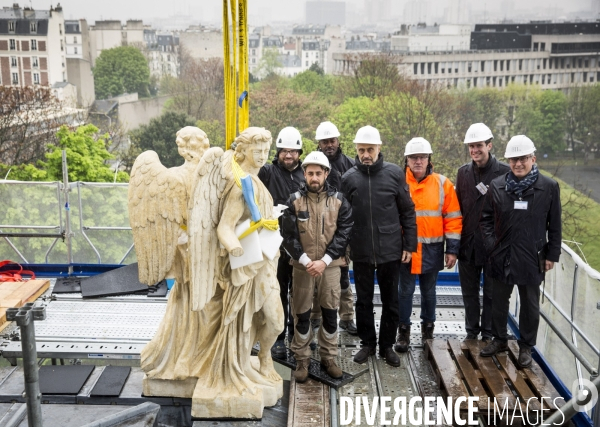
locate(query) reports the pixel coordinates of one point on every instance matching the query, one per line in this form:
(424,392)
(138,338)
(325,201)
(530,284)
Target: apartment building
(162,52)
(32,46)
(553,56)
(79,60)
(110,34)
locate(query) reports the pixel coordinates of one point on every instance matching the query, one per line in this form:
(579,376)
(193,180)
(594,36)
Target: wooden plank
(11,302)
(469,374)
(448,373)
(29,291)
(542,386)
(2,315)
(309,404)
(516,377)
(491,375)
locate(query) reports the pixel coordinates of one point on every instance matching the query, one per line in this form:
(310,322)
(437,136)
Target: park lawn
(587,212)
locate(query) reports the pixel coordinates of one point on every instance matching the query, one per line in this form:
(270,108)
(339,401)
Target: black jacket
(384,214)
(471,202)
(317,225)
(513,237)
(339,165)
(281,182)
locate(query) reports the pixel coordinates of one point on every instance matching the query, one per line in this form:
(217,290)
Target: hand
(406,257)
(549,265)
(450,260)
(316,268)
(237,251)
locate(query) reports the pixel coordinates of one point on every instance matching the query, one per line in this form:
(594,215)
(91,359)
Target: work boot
(301,372)
(524,357)
(494,347)
(471,336)
(363,354)
(315,323)
(332,369)
(278,349)
(403,338)
(427,331)
(349,326)
(391,358)
(486,340)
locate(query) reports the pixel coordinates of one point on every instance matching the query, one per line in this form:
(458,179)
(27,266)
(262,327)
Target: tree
(120,70)
(351,115)
(312,82)
(29,119)
(375,75)
(269,62)
(86,159)
(215,130)
(159,135)
(583,126)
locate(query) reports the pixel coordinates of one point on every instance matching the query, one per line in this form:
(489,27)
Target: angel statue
(230,300)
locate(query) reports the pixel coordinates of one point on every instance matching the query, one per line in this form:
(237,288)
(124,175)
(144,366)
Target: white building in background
(110,34)
(162,52)
(32,46)
(422,38)
(79,60)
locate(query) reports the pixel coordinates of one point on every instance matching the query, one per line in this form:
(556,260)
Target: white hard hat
(367,135)
(418,145)
(289,137)
(316,158)
(519,145)
(478,132)
(326,130)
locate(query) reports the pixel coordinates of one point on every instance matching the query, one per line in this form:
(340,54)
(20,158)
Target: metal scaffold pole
(66,191)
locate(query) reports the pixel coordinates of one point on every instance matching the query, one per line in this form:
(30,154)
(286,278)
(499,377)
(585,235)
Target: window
(33,27)
(34,62)
(13,61)
(307,63)
(11,26)
(253,51)
(60,29)
(307,54)
(74,39)
(36,78)
(13,44)
(15,78)
(33,44)
(75,50)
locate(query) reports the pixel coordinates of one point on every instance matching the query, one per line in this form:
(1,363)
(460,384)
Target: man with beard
(316,228)
(282,178)
(327,137)
(385,235)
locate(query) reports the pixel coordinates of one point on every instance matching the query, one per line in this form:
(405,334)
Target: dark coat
(317,227)
(471,202)
(384,214)
(280,182)
(513,237)
(339,165)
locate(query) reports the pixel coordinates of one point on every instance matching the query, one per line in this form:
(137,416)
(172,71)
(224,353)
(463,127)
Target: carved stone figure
(216,313)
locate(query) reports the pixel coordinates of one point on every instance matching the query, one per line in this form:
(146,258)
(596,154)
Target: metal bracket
(25,314)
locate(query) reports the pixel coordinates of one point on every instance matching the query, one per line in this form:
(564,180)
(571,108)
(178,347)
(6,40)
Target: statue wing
(157,213)
(212,180)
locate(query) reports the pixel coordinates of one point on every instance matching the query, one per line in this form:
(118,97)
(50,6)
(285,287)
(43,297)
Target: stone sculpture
(186,223)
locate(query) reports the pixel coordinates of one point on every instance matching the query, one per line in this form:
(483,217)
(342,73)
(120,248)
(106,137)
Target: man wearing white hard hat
(316,229)
(282,178)
(521,225)
(327,137)
(439,223)
(384,236)
(472,182)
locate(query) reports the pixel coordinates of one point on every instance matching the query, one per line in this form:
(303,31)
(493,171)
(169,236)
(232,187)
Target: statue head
(252,148)
(192,142)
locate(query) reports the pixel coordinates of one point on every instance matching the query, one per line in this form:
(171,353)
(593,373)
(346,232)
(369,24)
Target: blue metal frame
(581,419)
(62,270)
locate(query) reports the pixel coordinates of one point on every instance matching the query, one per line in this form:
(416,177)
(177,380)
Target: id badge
(482,188)
(521,204)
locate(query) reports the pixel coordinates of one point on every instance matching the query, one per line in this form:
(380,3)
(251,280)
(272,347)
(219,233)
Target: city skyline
(263,11)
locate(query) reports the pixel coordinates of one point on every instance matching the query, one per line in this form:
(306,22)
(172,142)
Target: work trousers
(328,290)
(529,312)
(284,277)
(364,281)
(427,282)
(346,310)
(470,282)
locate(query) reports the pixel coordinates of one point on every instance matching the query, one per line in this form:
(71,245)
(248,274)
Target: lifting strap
(14,275)
(235,63)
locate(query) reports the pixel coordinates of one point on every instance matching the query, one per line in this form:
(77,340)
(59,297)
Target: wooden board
(446,370)
(471,377)
(517,378)
(309,404)
(539,382)
(16,294)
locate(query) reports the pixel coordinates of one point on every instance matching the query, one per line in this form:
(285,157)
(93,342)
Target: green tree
(268,63)
(215,130)
(583,126)
(351,115)
(312,82)
(120,70)
(159,135)
(541,118)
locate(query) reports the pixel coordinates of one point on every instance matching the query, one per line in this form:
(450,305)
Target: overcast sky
(206,11)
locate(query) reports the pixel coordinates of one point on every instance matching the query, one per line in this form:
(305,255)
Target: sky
(207,11)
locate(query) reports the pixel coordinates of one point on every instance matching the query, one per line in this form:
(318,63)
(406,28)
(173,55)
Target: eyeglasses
(417,158)
(290,152)
(522,160)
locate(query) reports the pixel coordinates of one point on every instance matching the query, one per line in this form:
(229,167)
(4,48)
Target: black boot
(403,338)
(427,331)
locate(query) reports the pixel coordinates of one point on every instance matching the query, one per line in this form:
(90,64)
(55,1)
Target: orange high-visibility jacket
(438,220)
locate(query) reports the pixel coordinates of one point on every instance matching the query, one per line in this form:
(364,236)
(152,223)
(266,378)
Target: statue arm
(233,209)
